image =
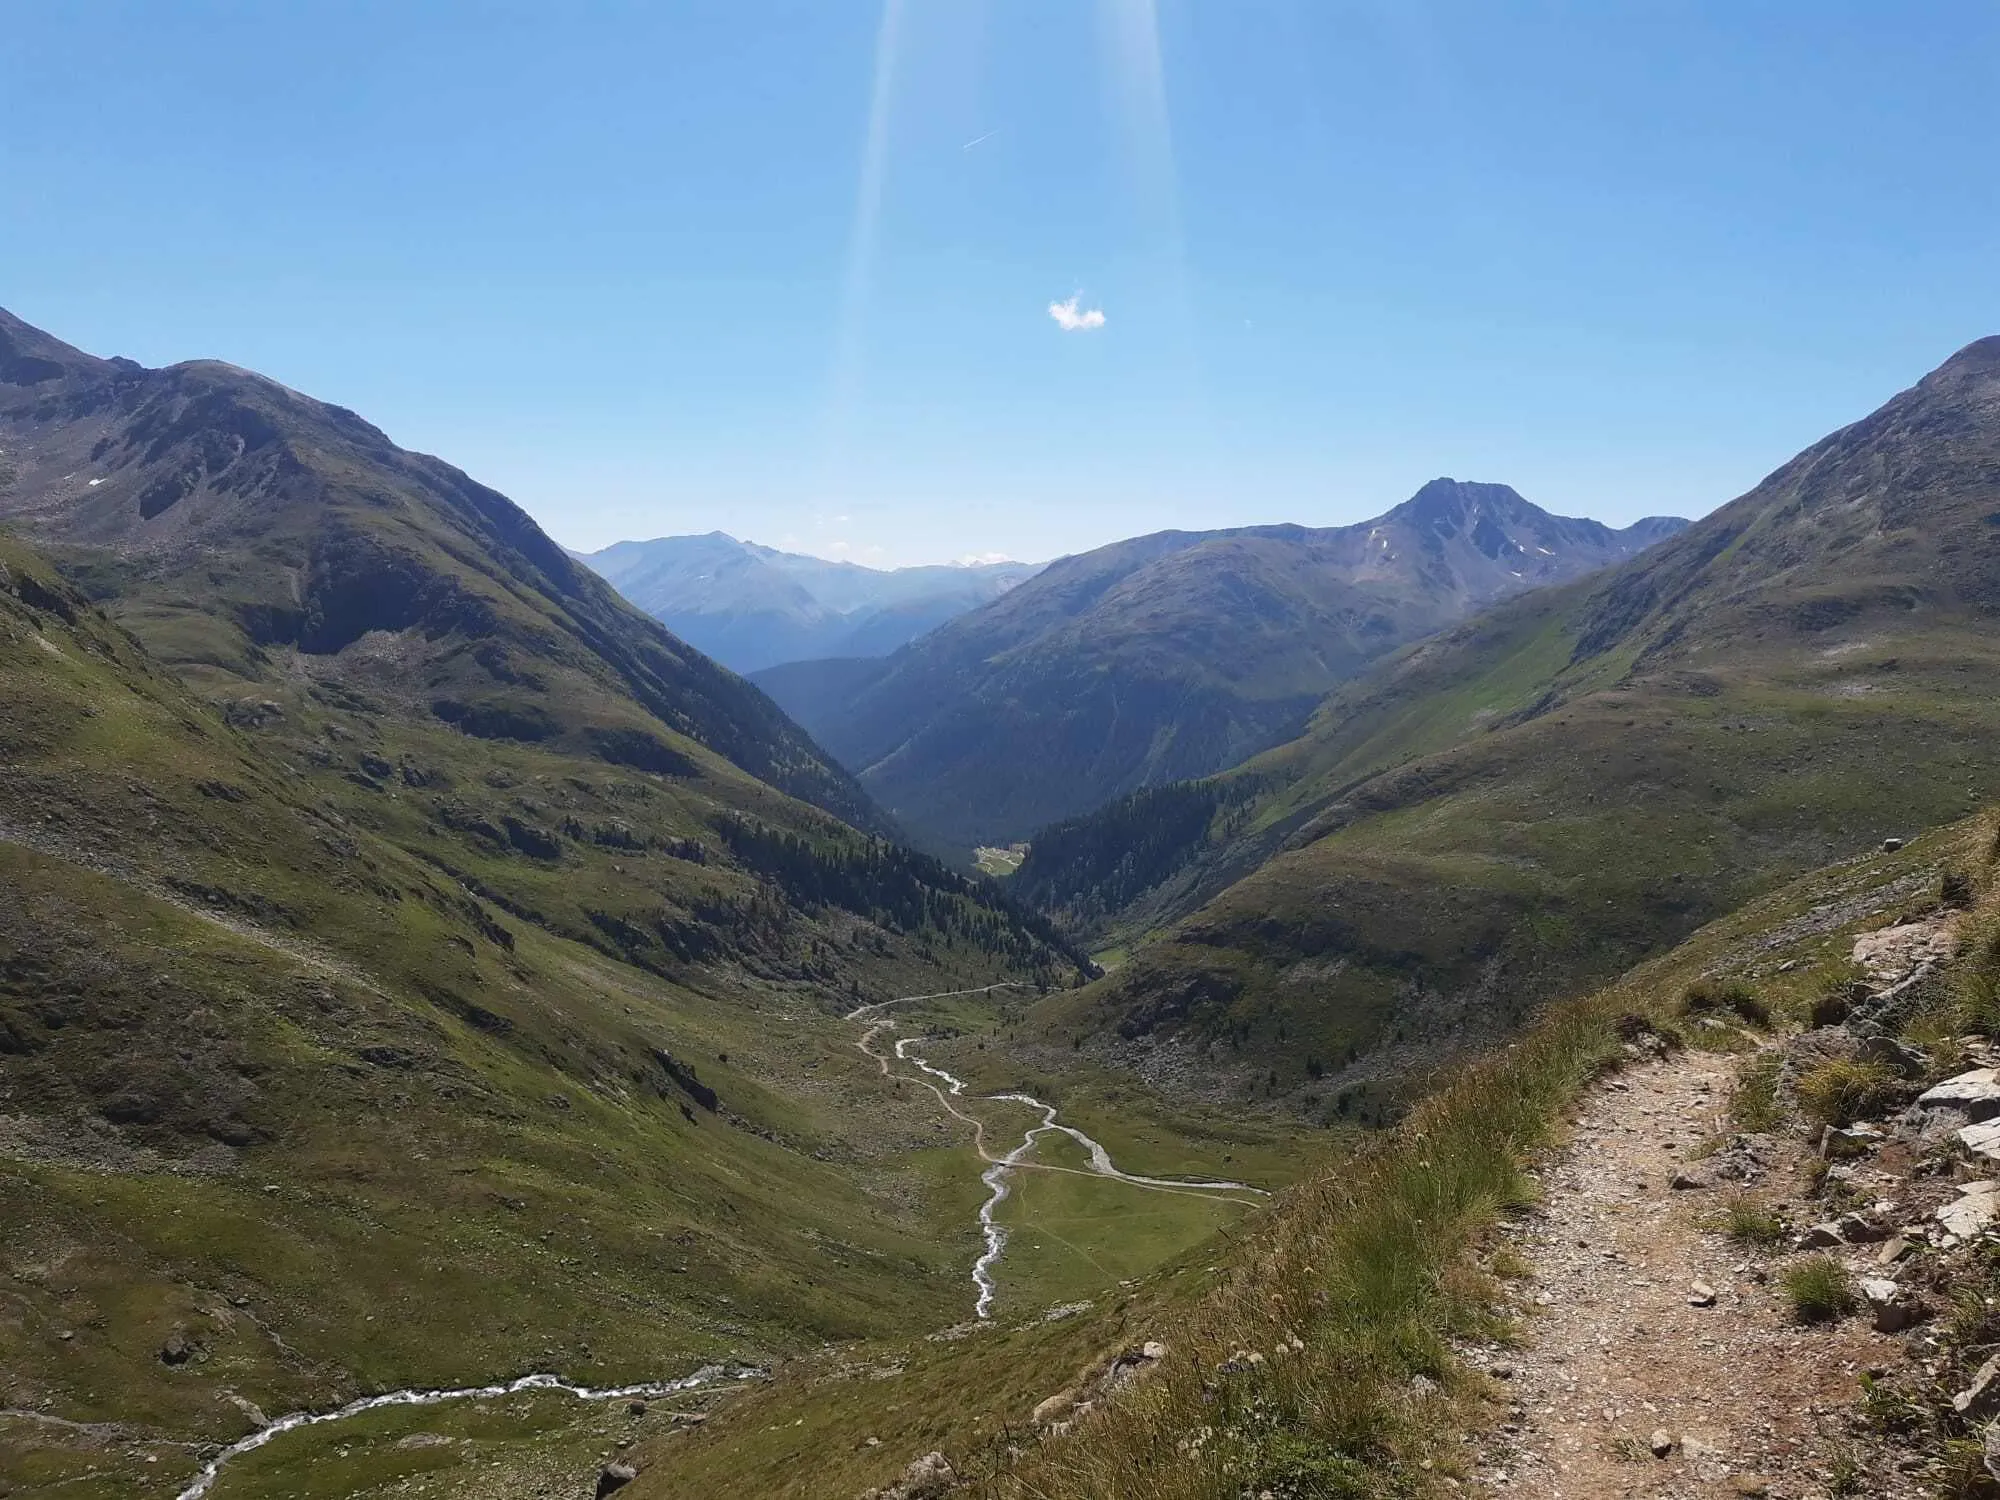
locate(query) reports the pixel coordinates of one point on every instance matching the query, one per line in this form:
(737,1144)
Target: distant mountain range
(1169,656)
(752,607)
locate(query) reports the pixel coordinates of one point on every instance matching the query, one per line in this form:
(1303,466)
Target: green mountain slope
(422,1005)
(1539,796)
(1365,1275)
(251,535)
(1171,655)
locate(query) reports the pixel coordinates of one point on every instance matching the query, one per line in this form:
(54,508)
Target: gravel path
(1620,1360)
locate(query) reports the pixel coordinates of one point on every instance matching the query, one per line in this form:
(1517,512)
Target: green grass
(999,862)
(1753,1102)
(1840,1092)
(1748,1222)
(1818,1288)
(383,1078)
(1074,1237)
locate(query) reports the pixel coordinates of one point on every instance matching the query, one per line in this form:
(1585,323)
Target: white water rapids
(999,1168)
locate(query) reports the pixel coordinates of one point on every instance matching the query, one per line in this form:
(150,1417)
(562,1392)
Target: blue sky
(786,269)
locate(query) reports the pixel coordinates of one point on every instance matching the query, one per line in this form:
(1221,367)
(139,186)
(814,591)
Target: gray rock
(1842,1141)
(1977,1206)
(1991,1444)
(1975,1094)
(925,1479)
(1980,1399)
(1890,846)
(1662,1442)
(1892,1308)
(1899,1057)
(1701,1294)
(1821,1237)
(1859,1229)
(1894,1249)
(1982,1139)
(1054,1408)
(178,1349)
(1687,1181)
(614,1476)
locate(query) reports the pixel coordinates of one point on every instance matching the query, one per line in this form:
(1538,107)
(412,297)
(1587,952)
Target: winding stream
(650,1390)
(1000,1168)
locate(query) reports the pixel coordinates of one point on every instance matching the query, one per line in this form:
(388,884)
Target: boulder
(1892,1308)
(1982,1139)
(1662,1442)
(178,1349)
(1975,1094)
(1054,1408)
(1897,1247)
(925,1479)
(1975,1209)
(1701,1294)
(1859,1229)
(1821,1237)
(614,1476)
(1839,1142)
(1135,1361)
(1899,1057)
(1981,1398)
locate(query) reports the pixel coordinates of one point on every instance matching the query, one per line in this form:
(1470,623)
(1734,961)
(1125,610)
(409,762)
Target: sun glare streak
(1131,34)
(864,232)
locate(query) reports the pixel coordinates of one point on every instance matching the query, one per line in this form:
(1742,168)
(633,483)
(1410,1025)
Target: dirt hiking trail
(1648,1330)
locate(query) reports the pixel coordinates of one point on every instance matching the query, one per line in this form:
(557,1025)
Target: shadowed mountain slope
(252,536)
(1581,775)
(1171,655)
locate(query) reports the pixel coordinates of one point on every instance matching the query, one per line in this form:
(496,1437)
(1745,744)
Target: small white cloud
(980,559)
(1072,318)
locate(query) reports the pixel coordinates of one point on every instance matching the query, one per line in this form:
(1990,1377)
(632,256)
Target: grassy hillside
(1171,655)
(354,1082)
(255,538)
(1364,1277)
(1533,800)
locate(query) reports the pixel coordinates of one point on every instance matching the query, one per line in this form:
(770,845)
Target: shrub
(1748,1222)
(1839,1093)
(1708,997)
(1754,1103)
(1819,1289)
